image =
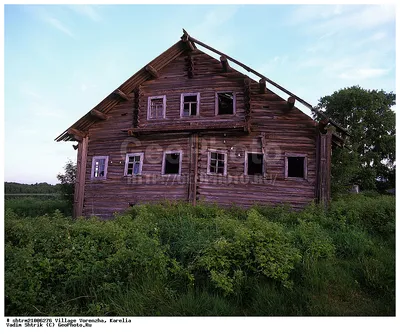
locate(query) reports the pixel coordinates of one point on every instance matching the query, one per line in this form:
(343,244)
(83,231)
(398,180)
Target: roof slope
(186,42)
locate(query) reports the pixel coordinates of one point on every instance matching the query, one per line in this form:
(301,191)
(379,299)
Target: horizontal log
(190,127)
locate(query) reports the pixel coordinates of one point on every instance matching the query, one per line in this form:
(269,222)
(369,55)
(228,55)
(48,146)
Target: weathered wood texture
(323,186)
(274,131)
(79,191)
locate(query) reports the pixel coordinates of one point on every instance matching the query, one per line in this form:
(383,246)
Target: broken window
(225,103)
(189,104)
(156,107)
(99,167)
(133,164)
(296,166)
(255,164)
(217,162)
(172,163)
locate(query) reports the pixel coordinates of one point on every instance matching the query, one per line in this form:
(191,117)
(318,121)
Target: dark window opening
(255,163)
(171,163)
(225,103)
(217,163)
(190,105)
(295,167)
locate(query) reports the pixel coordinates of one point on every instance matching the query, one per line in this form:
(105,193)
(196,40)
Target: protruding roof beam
(98,114)
(290,102)
(269,81)
(262,86)
(225,64)
(76,132)
(322,125)
(152,71)
(121,94)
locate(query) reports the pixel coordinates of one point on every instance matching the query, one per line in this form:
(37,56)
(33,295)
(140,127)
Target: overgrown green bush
(178,259)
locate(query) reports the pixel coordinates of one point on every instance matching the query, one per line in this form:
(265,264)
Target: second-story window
(99,167)
(156,107)
(225,103)
(190,104)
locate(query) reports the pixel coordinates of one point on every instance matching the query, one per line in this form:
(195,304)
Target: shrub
(256,247)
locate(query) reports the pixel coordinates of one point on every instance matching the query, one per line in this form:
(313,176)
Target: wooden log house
(189,127)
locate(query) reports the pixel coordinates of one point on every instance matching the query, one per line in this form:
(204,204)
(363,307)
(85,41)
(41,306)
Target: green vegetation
(176,259)
(370,158)
(37,206)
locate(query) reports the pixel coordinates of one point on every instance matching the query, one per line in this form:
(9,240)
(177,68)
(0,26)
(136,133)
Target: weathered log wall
(281,130)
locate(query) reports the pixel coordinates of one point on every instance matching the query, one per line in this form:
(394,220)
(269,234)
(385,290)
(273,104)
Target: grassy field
(175,259)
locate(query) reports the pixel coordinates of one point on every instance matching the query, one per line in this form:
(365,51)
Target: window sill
(296,179)
(216,174)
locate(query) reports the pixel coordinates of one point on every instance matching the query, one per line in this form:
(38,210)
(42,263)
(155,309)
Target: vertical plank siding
(284,131)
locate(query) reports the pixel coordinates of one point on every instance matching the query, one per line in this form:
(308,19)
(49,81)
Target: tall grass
(176,259)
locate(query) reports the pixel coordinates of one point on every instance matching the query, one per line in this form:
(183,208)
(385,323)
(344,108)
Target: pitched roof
(144,74)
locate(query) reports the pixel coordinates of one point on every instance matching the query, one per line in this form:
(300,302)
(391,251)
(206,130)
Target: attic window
(99,167)
(254,163)
(217,162)
(296,166)
(156,107)
(190,104)
(225,103)
(172,163)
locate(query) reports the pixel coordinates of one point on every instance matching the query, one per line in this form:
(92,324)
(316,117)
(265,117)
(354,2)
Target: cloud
(58,25)
(363,73)
(88,11)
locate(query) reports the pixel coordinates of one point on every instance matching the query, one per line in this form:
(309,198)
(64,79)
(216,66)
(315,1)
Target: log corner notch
(77,135)
(153,72)
(189,44)
(225,64)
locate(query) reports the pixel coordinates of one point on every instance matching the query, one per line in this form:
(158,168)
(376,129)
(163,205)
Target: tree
(370,158)
(67,182)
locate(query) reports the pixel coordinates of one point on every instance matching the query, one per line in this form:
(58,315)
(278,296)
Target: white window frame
(305,166)
(99,157)
(128,155)
(209,161)
(216,103)
(197,104)
(246,162)
(163,162)
(149,106)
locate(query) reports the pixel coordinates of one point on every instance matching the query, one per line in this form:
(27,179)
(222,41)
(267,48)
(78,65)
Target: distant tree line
(37,188)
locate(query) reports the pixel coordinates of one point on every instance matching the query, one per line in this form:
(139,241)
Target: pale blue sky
(60,61)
